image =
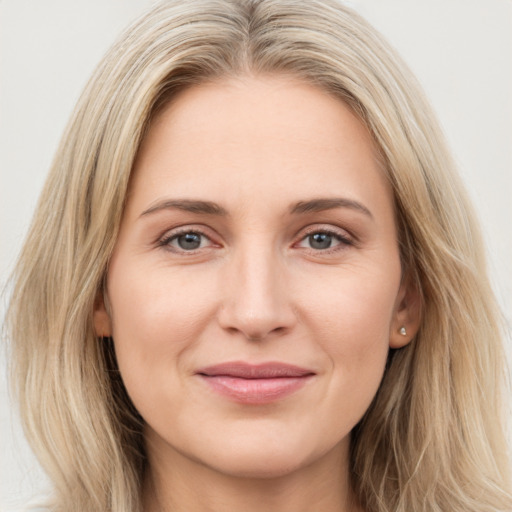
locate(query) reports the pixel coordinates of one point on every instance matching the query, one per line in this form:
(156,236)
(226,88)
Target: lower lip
(255,391)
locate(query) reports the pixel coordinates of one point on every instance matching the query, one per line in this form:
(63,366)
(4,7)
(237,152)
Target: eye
(186,241)
(320,240)
(323,240)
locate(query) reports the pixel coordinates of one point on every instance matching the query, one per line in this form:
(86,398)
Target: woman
(254,273)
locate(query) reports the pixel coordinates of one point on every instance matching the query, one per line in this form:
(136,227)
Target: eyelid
(346,239)
(168,235)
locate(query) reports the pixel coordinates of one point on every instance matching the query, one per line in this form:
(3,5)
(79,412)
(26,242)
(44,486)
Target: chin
(261,455)
(261,465)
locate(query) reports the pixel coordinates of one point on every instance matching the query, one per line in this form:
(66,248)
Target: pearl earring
(403,331)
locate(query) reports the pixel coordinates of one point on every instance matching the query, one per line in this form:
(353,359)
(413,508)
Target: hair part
(433,438)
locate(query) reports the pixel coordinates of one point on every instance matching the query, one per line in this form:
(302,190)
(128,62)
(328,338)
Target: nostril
(261,336)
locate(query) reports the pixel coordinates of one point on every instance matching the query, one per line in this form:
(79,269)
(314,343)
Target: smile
(255,384)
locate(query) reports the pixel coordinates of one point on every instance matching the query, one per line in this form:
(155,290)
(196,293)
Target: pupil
(189,241)
(320,241)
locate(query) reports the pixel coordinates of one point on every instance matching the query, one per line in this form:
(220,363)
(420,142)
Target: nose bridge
(256,301)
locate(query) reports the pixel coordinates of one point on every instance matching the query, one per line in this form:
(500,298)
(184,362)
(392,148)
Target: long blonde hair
(433,438)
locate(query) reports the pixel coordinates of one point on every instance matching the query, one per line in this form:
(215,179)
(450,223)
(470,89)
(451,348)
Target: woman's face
(255,287)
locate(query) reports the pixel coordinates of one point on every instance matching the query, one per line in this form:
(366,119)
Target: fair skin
(259,228)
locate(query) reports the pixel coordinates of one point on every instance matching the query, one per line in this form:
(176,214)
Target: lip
(255,384)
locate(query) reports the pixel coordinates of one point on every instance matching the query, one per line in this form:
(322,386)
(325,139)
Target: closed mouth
(242,370)
(255,384)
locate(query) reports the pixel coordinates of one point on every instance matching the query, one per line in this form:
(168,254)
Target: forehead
(249,135)
(254,110)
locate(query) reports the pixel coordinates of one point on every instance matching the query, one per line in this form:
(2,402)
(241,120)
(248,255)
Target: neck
(179,484)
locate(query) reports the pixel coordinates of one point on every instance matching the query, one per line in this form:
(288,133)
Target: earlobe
(407,315)
(101,318)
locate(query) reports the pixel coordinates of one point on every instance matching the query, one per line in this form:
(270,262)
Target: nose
(256,298)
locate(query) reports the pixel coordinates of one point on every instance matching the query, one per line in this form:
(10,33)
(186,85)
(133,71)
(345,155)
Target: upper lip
(245,370)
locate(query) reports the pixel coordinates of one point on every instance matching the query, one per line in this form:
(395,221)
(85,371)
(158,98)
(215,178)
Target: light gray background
(461,51)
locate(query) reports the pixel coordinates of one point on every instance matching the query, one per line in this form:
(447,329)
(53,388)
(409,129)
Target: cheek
(157,316)
(351,321)
(356,308)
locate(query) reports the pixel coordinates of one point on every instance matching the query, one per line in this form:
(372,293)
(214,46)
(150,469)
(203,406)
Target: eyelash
(166,240)
(344,240)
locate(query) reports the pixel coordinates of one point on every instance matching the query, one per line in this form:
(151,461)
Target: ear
(407,314)
(101,317)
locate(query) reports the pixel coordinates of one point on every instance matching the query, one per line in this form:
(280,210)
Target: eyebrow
(322,204)
(187,205)
(301,207)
